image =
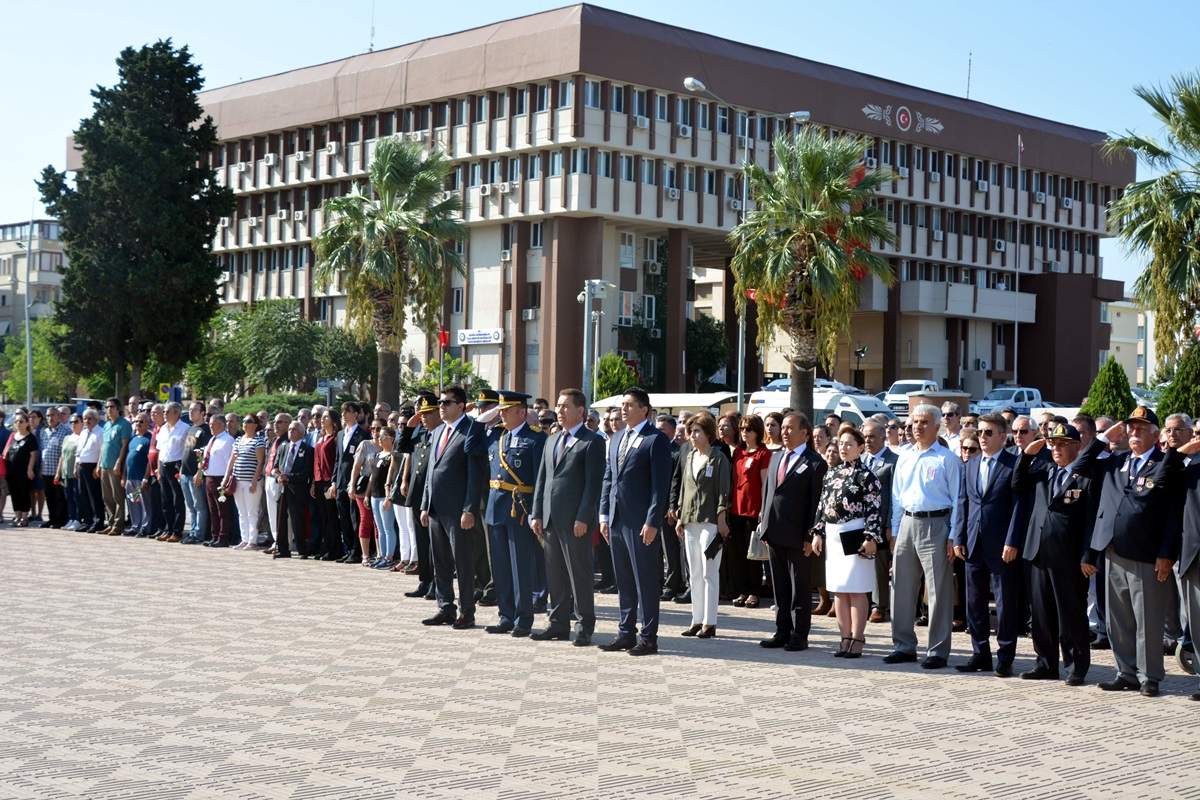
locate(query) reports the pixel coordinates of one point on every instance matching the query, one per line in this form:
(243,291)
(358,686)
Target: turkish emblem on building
(903,118)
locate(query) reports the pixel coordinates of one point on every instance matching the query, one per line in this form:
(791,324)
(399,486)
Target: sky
(1071,62)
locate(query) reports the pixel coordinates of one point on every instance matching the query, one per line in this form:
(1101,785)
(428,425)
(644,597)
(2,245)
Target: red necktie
(783,467)
(445,438)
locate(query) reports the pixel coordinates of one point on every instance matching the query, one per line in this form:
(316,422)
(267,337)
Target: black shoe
(583,640)
(431,594)
(1196,697)
(1074,680)
(667,594)
(134,532)
(644,649)
(618,644)
(218,544)
(682,599)
(795,646)
(327,557)
(898,657)
(1040,674)
(1168,647)
(1004,670)
(933,662)
(692,631)
(1118,684)
(520,633)
(550,635)
(282,555)
(709,632)
(420,591)
(975,663)
(488,600)
(440,618)
(1100,644)
(923,621)
(773,642)
(540,606)
(503,627)
(607,590)
(346,559)
(463,623)
(1150,689)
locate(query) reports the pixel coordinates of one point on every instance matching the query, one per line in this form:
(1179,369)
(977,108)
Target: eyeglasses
(950,414)
(444,403)
(988,432)
(249,421)
(970,450)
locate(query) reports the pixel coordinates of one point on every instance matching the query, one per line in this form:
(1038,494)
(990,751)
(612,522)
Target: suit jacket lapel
(453,430)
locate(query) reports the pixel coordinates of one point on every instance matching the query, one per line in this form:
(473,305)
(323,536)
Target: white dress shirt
(926,480)
(220,450)
(89,445)
(632,434)
(170,441)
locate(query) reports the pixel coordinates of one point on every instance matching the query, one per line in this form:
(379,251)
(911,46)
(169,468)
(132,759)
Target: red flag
(444,338)
(752,294)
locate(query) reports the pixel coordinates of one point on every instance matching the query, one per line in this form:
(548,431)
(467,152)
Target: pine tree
(613,376)
(1110,394)
(1182,394)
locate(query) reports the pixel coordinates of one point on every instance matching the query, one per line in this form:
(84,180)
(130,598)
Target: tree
(707,348)
(1160,217)
(1110,394)
(138,224)
(455,373)
(805,247)
(395,244)
(343,357)
(613,376)
(277,346)
(217,370)
(51,377)
(1182,394)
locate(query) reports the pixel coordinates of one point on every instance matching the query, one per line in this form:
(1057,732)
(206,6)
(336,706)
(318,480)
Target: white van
(896,397)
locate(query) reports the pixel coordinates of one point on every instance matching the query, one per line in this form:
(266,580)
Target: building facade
(40,284)
(579,154)
(1132,340)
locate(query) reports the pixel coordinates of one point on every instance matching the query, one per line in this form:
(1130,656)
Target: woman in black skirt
(21,455)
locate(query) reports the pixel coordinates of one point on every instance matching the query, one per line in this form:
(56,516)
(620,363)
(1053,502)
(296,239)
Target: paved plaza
(133,669)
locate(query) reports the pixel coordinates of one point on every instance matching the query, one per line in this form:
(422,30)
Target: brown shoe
(113,531)
(823,608)
(877,616)
(175,538)
(164,537)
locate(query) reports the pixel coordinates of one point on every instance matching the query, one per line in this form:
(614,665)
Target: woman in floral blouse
(847,531)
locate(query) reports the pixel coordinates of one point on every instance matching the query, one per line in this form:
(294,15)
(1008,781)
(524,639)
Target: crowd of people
(1082,533)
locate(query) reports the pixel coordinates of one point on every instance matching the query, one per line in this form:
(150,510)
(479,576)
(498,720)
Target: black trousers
(91,503)
(1004,581)
(424,556)
(173,506)
(347,511)
(56,502)
(745,576)
(791,573)
(1059,594)
(294,506)
(483,563)
(327,522)
(569,579)
(676,579)
(454,552)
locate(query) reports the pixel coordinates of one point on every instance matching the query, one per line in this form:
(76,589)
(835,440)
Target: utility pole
(28,332)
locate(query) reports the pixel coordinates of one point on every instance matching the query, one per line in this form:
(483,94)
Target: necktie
(291,455)
(1135,465)
(445,438)
(985,472)
(207,451)
(562,446)
(624,448)
(1060,479)
(783,467)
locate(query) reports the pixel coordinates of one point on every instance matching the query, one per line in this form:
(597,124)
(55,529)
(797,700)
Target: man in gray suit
(566,501)
(458,473)
(881,460)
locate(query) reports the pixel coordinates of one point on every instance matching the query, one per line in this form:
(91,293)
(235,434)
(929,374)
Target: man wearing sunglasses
(952,424)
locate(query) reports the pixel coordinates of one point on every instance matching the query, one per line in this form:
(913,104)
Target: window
(495,171)
(591,94)
(995,179)
(918,158)
(649,248)
(514,169)
(1010,174)
(441,112)
(669,178)
(604,164)
(476,177)
(566,94)
(543,97)
(534,298)
(1053,185)
(556,164)
(763,127)
(689,179)
(579,160)
(648,168)
(890,209)
(742,122)
(535,235)
(901,155)
(625,309)
(1078,243)
(618,99)
(1037,236)
(457,300)
(1024,180)
(535,167)
(1054,238)
(710,181)
(506,236)
(886,158)
(980,175)
(627,168)
(683,111)
(481,107)
(1091,245)
(519,101)
(905,214)
(705,116)
(920,216)
(639,103)
(730,186)
(649,308)
(722,120)
(625,250)
(1011,232)
(501,105)
(1104,315)
(949,170)
(660,107)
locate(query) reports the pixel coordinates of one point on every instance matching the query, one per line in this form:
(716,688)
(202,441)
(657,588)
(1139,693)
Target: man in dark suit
(633,505)
(295,459)
(514,456)
(790,496)
(1138,530)
(675,584)
(881,460)
(1065,494)
(416,445)
(1189,552)
(349,439)
(988,541)
(454,489)
(563,515)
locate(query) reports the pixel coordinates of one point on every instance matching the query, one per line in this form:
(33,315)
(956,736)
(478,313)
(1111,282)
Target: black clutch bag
(852,541)
(714,547)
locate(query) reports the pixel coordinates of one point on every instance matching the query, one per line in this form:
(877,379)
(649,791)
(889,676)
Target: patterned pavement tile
(132,669)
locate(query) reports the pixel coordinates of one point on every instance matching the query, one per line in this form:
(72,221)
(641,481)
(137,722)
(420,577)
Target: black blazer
(790,508)
(415,443)
(636,493)
(301,473)
(457,478)
(345,457)
(1189,515)
(1141,518)
(568,490)
(1060,527)
(987,523)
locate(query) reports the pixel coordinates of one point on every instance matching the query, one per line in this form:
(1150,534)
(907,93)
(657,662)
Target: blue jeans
(385,527)
(197,505)
(71,490)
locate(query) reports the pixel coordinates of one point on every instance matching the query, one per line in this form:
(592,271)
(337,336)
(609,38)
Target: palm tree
(806,245)
(394,240)
(1160,217)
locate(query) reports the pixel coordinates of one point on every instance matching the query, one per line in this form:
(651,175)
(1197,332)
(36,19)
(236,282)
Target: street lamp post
(697,86)
(592,289)
(28,333)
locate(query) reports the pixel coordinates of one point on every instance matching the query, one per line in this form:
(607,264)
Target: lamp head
(694,84)
(800,116)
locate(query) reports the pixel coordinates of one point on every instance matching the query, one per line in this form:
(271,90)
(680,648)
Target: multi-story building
(40,284)
(580,154)
(1132,340)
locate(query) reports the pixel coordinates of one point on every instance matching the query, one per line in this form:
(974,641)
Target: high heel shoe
(708,633)
(692,631)
(853,651)
(843,648)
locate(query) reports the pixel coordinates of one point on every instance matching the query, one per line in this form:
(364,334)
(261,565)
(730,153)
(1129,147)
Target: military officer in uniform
(415,444)
(514,455)
(487,412)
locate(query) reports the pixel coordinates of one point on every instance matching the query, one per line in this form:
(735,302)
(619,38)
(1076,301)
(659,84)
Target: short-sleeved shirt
(246,464)
(137,457)
(115,434)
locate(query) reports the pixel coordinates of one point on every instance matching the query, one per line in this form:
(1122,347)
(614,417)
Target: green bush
(1110,394)
(613,376)
(1182,394)
(273,403)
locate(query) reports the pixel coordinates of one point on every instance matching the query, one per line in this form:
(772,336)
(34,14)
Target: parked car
(896,397)
(1019,398)
(775,396)
(852,408)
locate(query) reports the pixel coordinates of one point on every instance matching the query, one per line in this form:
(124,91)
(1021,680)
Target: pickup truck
(896,397)
(1019,398)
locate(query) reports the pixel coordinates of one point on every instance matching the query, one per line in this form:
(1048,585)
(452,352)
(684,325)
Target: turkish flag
(444,338)
(752,294)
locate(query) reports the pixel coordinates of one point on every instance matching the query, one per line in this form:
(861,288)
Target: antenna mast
(969,54)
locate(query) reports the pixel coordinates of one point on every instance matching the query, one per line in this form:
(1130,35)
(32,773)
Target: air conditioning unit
(529,314)
(485,189)
(242,166)
(683,131)
(735,204)
(254,222)
(418,136)
(746,142)
(672,194)
(939,236)
(270,159)
(503,187)
(981,186)
(641,122)
(301,156)
(981,364)
(331,149)
(998,245)
(935,177)
(444,196)
(506,255)
(514,185)
(903,171)
(1067,202)
(1050,265)
(871,162)
(298,216)
(1039,197)
(282,215)
(656,333)
(653,268)
(224,223)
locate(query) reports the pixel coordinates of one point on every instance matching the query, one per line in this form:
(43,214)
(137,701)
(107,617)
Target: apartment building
(579,154)
(40,284)
(1132,340)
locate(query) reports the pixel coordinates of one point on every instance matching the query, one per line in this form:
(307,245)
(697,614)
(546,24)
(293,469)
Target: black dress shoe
(282,555)
(975,664)
(1150,689)
(503,627)
(667,594)
(478,595)
(327,557)
(464,623)
(219,544)
(618,644)
(692,631)
(1004,670)
(644,649)
(795,646)
(440,618)
(585,640)
(520,633)
(1040,674)
(1100,644)
(488,601)
(923,621)
(933,662)
(551,635)
(682,599)
(209,543)
(898,657)
(773,642)
(420,591)
(1118,684)
(1196,697)
(1074,680)
(431,594)
(540,606)
(708,633)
